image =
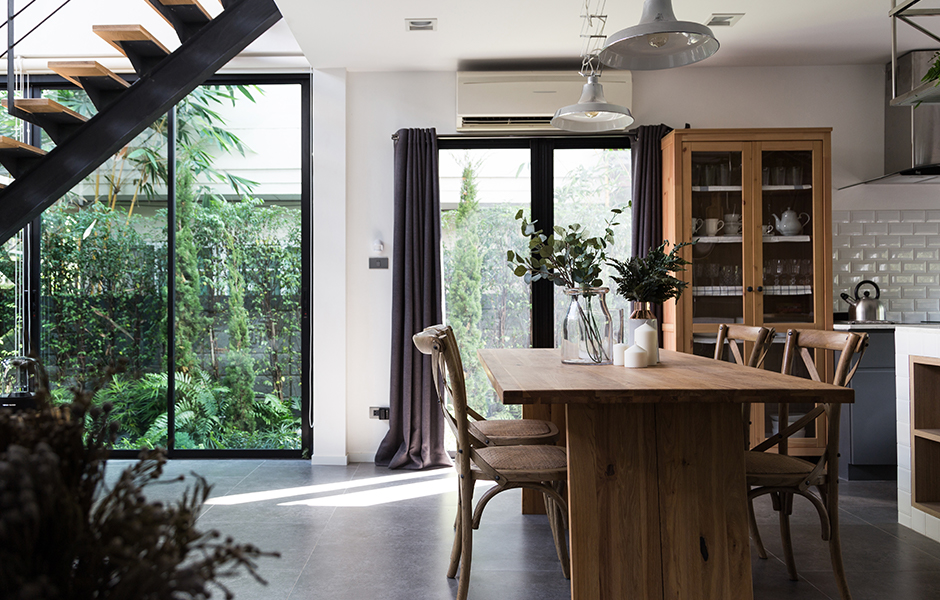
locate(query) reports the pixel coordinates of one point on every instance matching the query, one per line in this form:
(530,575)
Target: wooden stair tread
(9,144)
(186,5)
(115,34)
(45,106)
(75,69)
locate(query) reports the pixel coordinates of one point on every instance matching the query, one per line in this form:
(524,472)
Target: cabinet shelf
(777,239)
(737,290)
(928,434)
(716,188)
(736,239)
(719,239)
(785,188)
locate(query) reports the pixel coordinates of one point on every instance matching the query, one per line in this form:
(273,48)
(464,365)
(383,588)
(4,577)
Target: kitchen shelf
(775,239)
(719,239)
(717,290)
(788,290)
(716,188)
(928,434)
(781,188)
(925,93)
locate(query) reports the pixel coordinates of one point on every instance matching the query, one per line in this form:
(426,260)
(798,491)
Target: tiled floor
(365,533)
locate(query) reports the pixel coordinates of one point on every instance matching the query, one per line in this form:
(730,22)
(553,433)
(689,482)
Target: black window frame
(542,201)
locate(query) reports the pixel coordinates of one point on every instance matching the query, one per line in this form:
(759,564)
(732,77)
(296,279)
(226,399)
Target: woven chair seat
(510,428)
(525,458)
(766,465)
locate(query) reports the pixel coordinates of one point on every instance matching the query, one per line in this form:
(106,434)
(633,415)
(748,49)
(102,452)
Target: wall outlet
(378,262)
(378,412)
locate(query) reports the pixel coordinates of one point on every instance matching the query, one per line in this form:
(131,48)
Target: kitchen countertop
(845,326)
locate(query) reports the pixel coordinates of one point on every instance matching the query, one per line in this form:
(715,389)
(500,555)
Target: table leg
(658,503)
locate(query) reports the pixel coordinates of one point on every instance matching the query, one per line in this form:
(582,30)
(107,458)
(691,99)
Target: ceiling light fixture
(592,113)
(659,41)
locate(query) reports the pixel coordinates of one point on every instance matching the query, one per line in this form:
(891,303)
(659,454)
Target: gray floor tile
(364,532)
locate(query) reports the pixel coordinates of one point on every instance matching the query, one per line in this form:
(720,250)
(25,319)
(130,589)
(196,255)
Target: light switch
(378,262)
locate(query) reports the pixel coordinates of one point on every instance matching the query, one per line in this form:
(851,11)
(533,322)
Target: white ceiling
(370,35)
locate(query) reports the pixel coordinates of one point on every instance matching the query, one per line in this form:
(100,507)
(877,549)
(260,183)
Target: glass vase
(587,330)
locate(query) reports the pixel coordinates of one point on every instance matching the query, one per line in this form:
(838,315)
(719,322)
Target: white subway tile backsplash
(919,521)
(901,228)
(888,241)
(901,254)
(933,528)
(926,280)
(900,247)
(904,458)
(851,229)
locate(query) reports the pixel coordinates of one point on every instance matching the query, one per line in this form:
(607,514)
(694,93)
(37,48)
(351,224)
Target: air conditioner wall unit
(506,101)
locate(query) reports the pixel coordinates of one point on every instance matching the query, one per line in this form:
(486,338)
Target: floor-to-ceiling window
(484,184)
(234,230)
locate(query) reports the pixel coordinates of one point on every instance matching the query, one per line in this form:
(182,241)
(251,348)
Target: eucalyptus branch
(568,257)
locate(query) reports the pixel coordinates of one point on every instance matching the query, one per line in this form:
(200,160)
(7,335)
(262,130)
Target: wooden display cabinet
(763,265)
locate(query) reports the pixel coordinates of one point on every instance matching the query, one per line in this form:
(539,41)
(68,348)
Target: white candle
(618,354)
(647,339)
(635,357)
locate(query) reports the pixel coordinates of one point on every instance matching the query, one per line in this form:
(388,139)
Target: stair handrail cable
(12,13)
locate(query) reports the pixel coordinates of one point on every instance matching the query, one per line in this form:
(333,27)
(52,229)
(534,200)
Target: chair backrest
(761,337)
(439,342)
(852,346)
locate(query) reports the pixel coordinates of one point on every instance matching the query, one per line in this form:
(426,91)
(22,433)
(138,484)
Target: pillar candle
(618,354)
(635,357)
(647,339)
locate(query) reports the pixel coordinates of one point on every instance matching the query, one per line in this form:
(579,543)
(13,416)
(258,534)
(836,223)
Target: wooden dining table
(656,483)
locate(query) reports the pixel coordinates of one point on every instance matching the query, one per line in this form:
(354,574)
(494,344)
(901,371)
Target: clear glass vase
(587,330)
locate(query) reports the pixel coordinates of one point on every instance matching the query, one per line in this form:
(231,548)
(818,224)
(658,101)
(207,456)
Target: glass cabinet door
(787,249)
(717,269)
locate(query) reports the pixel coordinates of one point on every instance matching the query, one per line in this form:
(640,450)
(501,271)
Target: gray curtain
(648,195)
(415,439)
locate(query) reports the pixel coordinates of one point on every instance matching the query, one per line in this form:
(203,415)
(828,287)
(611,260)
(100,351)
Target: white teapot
(789,223)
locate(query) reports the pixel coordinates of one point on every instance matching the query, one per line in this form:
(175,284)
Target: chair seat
(517,459)
(504,432)
(766,468)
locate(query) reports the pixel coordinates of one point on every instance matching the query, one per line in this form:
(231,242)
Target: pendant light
(660,41)
(592,113)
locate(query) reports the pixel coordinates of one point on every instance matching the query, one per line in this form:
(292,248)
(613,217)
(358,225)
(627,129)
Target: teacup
(768,229)
(713,226)
(732,224)
(697,224)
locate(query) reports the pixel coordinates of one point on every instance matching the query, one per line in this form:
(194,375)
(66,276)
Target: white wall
(847,98)
(378,105)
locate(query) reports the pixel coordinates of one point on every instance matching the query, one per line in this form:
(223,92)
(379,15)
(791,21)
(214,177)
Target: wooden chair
(762,338)
(539,467)
(783,476)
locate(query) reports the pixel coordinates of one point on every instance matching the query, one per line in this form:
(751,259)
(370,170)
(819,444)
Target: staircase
(124,110)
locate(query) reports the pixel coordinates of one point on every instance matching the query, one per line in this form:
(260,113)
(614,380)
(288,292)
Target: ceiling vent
(421,24)
(520,101)
(723,19)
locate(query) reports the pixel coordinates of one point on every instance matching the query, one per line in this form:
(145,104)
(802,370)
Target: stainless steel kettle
(865,308)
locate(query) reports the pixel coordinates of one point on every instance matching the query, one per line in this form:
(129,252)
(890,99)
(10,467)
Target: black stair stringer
(148,99)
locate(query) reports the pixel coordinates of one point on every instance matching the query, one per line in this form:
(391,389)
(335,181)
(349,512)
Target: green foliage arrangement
(650,278)
(569,257)
(64,535)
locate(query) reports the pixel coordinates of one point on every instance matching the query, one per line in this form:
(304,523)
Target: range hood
(912,135)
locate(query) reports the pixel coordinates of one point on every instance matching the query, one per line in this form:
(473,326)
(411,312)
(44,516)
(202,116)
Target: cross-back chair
(736,336)
(539,467)
(783,476)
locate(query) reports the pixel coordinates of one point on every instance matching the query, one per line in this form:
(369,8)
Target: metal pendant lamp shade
(659,41)
(592,112)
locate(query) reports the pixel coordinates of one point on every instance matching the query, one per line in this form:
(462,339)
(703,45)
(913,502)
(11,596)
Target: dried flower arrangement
(63,535)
